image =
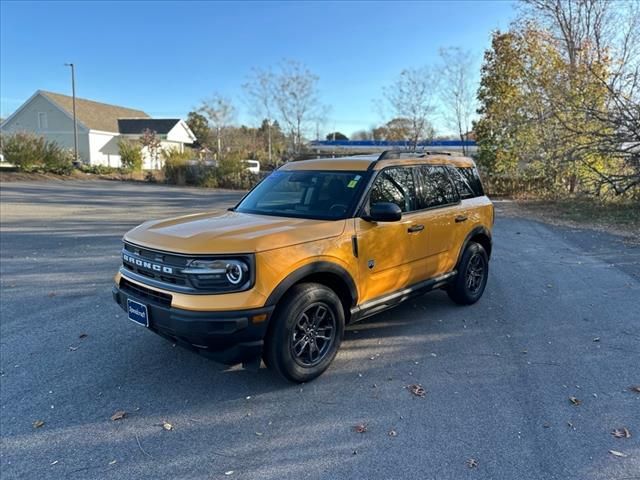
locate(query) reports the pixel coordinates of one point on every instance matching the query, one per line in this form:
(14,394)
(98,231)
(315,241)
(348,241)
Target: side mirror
(384,212)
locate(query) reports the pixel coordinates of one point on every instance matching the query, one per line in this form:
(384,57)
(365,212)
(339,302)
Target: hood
(230,232)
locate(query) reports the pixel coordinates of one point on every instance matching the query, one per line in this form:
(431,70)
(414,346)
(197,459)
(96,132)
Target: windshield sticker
(354,182)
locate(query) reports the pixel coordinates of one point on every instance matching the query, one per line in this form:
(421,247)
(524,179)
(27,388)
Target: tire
(466,290)
(305,333)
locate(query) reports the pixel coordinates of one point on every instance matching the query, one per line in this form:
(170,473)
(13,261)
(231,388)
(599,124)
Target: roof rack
(389,154)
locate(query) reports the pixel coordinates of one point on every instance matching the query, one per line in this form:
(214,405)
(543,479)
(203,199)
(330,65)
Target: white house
(100,126)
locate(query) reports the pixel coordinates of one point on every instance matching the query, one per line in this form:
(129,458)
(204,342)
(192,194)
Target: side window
(473,179)
(464,189)
(436,188)
(395,185)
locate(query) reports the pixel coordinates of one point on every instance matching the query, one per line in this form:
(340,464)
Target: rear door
(440,212)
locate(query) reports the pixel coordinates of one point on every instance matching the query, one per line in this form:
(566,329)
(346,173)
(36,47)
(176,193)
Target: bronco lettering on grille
(130,259)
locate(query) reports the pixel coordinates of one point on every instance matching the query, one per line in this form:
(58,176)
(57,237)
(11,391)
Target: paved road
(498,375)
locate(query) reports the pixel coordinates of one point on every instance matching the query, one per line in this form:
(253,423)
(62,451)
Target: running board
(380,304)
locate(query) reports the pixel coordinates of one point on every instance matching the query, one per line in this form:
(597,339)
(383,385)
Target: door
(439,212)
(389,253)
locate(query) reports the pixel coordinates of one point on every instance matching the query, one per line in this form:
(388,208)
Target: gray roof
(94,115)
(135,126)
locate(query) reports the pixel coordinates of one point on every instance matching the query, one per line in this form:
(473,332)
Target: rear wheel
(306,332)
(473,271)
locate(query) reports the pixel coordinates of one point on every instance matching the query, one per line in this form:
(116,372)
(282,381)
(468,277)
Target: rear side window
(395,185)
(472,177)
(436,188)
(461,183)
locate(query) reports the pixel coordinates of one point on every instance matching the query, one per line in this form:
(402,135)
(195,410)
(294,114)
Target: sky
(165,57)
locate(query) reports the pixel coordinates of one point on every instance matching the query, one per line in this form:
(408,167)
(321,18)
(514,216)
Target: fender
(310,269)
(475,231)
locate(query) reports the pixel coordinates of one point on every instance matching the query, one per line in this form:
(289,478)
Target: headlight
(219,274)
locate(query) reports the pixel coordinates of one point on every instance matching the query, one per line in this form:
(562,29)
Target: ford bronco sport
(316,245)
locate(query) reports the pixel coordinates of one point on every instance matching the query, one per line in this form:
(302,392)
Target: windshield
(324,195)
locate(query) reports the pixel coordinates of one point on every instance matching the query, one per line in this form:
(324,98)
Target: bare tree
(295,90)
(411,97)
(260,92)
(220,112)
(600,41)
(458,93)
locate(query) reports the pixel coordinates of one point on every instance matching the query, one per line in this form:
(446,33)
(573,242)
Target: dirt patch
(14,176)
(621,218)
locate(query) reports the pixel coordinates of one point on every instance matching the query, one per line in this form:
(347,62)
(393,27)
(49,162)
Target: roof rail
(388,154)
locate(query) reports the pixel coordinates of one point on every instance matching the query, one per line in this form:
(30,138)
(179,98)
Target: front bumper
(228,337)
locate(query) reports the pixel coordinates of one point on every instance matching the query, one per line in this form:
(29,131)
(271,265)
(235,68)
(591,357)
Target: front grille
(175,262)
(144,293)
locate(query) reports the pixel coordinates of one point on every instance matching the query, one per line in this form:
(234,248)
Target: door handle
(415,228)
(461,218)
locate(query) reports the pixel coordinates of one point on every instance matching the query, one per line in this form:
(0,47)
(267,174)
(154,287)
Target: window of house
(42,121)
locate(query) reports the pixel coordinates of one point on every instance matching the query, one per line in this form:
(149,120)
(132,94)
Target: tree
(260,91)
(457,90)
(362,135)
(152,143)
(411,97)
(220,112)
(336,136)
(295,90)
(130,155)
(599,109)
(200,127)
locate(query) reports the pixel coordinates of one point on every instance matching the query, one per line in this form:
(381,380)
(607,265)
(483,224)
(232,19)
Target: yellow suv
(316,245)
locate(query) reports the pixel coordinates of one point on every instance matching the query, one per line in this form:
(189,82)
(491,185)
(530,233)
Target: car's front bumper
(228,337)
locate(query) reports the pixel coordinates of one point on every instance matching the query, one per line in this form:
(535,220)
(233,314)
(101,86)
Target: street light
(75,122)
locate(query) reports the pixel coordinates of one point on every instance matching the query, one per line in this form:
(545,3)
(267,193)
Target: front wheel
(306,332)
(473,270)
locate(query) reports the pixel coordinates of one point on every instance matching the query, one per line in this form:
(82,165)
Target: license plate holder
(138,312)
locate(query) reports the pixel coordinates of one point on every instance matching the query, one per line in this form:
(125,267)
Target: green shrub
(99,169)
(32,153)
(175,166)
(178,170)
(130,155)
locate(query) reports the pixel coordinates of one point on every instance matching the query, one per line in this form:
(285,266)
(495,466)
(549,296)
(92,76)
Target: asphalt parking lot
(560,318)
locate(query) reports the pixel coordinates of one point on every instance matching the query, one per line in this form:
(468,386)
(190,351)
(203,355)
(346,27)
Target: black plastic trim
(475,231)
(310,269)
(390,300)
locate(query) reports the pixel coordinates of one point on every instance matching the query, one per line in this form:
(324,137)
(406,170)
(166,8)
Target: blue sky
(164,57)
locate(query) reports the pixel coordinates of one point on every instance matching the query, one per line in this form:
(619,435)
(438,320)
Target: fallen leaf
(417,390)
(635,388)
(166,425)
(472,463)
(360,428)
(119,415)
(230,472)
(393,433)
(83,335)
(616,453)
(575,401)
(621,432)
(38,424)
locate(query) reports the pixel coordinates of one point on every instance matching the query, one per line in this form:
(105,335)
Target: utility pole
(75,121)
